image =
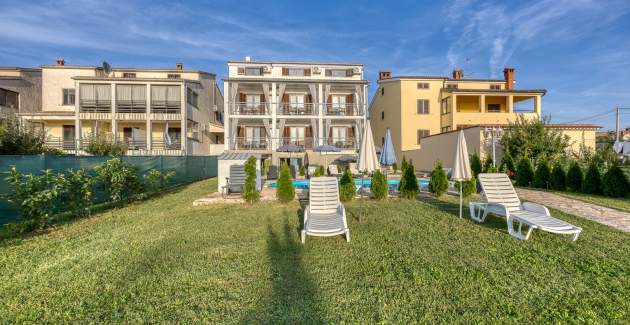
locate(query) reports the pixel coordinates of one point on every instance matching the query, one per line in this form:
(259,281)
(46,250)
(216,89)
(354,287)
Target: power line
(594,116)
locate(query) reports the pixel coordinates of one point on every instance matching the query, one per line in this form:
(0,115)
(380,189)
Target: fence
(187,169)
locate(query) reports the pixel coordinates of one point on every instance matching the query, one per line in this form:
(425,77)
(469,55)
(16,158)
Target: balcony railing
(133,144)
(305,143)
(131,106)
(249,108)
(95,106)
(159,144)
(61,143)
(342,143)
(165,106)
(342,110)
(241,143)
(298,109)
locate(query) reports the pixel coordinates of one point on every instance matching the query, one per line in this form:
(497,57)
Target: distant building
(20,90)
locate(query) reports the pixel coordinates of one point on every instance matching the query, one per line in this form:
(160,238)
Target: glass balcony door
(297,135)
(339,136)
(253,136)
(252,103)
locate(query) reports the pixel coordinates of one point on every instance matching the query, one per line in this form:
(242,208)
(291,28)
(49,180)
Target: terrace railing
(166,106)
(241,143)
(305,143)
(95,106)
(349,109)
(298,109)
(131,106)
(61,143)
(242,108)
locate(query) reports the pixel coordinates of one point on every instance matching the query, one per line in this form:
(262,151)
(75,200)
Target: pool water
(303,183)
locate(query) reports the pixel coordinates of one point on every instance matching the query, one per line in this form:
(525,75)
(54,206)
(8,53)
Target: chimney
(458,74)
(61,61)
(248,59)
(382,75)
(508,74)
(179,66)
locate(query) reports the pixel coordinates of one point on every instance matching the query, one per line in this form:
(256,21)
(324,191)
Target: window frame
(495,87)
(493,111)
(15,94)
(422,85)
(425,107)
(66,94)
(422,133)
(452,86)
(173,76)
(192,97)
(129,75)
(247,70)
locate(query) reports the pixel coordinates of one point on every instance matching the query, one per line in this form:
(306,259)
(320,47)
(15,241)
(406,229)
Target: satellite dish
(107,68)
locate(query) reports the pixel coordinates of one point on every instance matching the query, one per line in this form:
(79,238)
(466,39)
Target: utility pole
(617,126)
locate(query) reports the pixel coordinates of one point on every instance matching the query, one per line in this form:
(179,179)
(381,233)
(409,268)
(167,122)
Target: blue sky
(579,50)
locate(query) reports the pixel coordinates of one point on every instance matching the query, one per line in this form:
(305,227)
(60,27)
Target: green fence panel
(187,169)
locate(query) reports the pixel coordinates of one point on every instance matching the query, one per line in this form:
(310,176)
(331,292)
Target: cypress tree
(524,173)
(439,182)
(575,177)
(475,164)
(592,180)
(347,188)
(558,178)
(285,192)
(615,182)
(378,186)
(250,192)
(541,177)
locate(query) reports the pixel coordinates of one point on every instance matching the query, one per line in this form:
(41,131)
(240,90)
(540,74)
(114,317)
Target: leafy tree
(469,187)
(507,164)
(347,189)
(615,182)
(286,191)
(119,180)
(378,186)
(524,173)
(17,138)
(77,191)
(530,138)
(488,165)
(602,157)
(395,167)
(439,182)
(542,174)
(156,181)
(250,192)
(592,180)
(575,177)
(475,164)
(102,145)
(558,178)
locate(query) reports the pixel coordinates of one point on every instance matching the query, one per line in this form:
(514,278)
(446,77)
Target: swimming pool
(303,183)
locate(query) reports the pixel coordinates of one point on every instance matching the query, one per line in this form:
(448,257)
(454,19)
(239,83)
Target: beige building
(273,104)
(20,90)
(151,111)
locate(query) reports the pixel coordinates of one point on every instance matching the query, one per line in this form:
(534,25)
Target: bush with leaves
(575,177)
(469,187)
(319,171)
(77,191)
(439,182)
(119,180)
(558,178)
(524,173)
(250,192)
(21,138)
(615,182)
(531,138)
(395,167)
(403,165)
(507,164)
(347,188)
(285,192)
(302,170)
(592,180)
(102,145)
(34,196)
(156,181)
(378,185)
(542,174)
(475,164)
(488,165)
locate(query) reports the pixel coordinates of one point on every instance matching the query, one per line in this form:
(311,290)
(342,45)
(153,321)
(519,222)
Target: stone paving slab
(604,215)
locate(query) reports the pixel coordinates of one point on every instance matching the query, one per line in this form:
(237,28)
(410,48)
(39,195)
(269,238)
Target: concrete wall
(442,147)
(54,80)
(27,83)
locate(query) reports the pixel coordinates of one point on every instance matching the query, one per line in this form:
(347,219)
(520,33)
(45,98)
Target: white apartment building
(151,111)
(271,104)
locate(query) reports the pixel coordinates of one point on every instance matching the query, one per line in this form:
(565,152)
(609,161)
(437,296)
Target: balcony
(305,143)
(342,143)
(61,143)
(95,106)
(133,144)
(166,107)
(342,110)
(298,109)
(242,143)
(242,108)
(159,144)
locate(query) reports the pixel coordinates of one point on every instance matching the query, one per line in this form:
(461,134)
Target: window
(423,85)
(338,73)
(339,135)
(297,134)
(446,129)
(423,106)
(131,98)
(495,87)
(494,108)
(445,109)
(297,101)
(174,76)
(338,104)
(452,86)
(382,91)
(422,134)
(296,72)
(253,71)
(9,98)
(382,115)
(129,74)
(165,98)
(68,96)
(192,97)
(193,130)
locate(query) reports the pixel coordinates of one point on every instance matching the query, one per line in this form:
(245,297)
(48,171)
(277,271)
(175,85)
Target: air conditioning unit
(315,70)
(266,69)
(356,71)
(215,108)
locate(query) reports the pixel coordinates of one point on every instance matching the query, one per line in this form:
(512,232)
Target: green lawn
(615,203)
(409,261)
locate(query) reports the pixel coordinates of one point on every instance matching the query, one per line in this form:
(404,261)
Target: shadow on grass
(452,208)
(293,298)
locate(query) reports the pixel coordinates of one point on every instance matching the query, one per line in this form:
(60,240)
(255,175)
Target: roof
(231,155)
(444,78)
(499,91)
(66,66)
(295,62)
(296,80)
(178,80)
(19,68)
(550,126)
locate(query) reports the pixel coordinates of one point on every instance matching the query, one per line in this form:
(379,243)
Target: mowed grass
(409,261)
(622,203)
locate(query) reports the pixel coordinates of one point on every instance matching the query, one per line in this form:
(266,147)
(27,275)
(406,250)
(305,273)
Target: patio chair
(325,215)
(236,181)
(333,170)
(500,198)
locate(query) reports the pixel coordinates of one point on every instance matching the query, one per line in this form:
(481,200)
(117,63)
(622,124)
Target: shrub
(575,177)
(378,187)
(302,170)
(347,189)
(507,164)
(17,138)
(615,182)
(34,196)
(250,192)
(119,180)
(475,164)
(77,191)
(592,180)
(286,191)
(101,145)
(395,167)
(524,173)
(558,178)
(319,171)
(156,181)
(439,182)
(469,187)
(542,174)
(532,139)
(403,165)
(488,165)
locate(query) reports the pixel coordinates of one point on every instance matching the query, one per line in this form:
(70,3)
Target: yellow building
(413,107)
(151,111)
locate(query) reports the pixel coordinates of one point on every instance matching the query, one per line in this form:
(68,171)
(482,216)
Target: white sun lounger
(324,215)
(500,198)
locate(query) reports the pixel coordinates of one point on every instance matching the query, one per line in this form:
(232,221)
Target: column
(113,112)
(274,113)
(454,103)
(148,115)
(482,103)
(320,115)
(184,113)
(538,105)
(226,116)
(77,120)
(510,103)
